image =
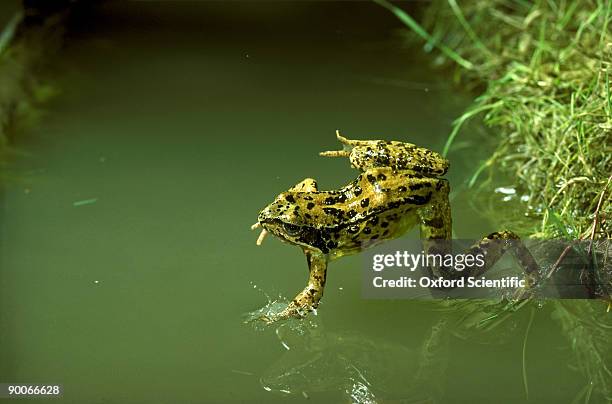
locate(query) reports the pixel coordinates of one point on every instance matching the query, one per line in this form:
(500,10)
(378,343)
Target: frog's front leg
(308,299)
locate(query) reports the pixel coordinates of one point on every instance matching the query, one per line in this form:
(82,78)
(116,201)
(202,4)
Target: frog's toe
(343,139)
(335,153)
(276,317)
(268,319)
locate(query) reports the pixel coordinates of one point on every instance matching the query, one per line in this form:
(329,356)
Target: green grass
(542,71)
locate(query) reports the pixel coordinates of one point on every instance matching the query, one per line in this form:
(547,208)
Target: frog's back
(377,205)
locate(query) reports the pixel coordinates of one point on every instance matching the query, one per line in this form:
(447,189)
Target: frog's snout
(262,235)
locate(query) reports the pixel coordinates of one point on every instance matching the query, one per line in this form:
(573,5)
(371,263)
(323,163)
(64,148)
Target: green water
(127,264)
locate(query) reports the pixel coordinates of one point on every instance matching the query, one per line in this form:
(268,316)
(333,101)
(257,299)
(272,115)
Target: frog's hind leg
(436,238)
(347,146)
(494,246)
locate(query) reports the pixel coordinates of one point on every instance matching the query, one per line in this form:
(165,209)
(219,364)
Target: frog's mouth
(262,235)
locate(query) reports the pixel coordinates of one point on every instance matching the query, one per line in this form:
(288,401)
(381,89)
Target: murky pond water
(127,264)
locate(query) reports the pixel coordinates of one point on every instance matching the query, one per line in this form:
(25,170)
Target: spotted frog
(400,186)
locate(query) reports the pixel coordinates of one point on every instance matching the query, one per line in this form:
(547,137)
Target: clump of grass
(542,69)
(546,69)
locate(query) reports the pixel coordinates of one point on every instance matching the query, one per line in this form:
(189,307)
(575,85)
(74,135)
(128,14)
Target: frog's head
(285,220)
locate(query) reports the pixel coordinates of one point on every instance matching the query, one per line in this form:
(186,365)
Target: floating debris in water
(508,191)
(85,202)
(242,372)
(505,190)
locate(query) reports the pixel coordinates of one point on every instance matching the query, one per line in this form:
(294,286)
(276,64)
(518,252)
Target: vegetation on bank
(543,72)
(25,46)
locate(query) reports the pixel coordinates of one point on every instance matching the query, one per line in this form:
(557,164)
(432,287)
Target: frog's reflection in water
(359,368)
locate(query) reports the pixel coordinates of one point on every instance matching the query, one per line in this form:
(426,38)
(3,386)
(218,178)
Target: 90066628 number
(27,389)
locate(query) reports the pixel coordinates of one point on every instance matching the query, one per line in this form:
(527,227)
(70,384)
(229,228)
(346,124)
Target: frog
(399,186)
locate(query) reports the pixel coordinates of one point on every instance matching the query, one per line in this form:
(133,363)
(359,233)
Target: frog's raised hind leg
(368,154)
(308,299)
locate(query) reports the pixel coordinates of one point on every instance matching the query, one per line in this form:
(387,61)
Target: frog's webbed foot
(291,311)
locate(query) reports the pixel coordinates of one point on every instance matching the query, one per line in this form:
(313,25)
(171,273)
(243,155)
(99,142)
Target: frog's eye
(292,229)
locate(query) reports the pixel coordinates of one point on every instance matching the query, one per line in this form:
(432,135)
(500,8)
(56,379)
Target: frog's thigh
(306,185)
(436,224)
(436,221)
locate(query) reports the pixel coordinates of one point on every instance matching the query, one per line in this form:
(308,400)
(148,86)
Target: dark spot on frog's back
(357,191)
(310,205)
(290,198)
(381,177)
(383,160)
(332,200)
(371,178)
(415,187)
(365,202)
(338,213)
(418,199)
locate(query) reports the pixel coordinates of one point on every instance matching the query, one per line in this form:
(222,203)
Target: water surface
(127,263)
